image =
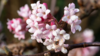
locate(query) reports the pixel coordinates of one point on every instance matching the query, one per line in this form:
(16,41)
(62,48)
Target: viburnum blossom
(25,12)
(70,17)
(18,27)
(56,39)
(43,26)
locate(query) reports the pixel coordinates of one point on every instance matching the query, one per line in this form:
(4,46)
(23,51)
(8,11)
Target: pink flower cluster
(57,42)
(40,10)
(25,12)
(18,27)
(43,26)
(70,17)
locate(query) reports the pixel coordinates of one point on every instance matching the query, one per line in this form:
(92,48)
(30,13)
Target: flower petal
(66,36)
(64,50)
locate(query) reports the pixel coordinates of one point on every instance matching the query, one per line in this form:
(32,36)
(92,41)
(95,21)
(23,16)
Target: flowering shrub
(43,25)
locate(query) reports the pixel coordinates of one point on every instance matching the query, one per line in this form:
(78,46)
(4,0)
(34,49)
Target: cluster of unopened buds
(43,25)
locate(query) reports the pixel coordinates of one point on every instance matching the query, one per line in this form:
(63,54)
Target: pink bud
(52,23)
(45,5)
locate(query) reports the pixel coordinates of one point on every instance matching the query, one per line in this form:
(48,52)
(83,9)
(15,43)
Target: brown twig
(18,48)
(70,47)
(82,45)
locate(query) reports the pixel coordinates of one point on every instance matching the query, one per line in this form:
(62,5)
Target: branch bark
(70,47)
(18,48)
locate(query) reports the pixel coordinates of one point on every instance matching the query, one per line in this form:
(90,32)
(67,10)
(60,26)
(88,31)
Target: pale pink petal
(78,27)
(66,12)
(33,5)
(31,30)
(49,47)
(65,19)
(53,27)
(62,32)
(76,10)
(73,29)
(47,11)
(66,36)
(71,5)
(61,41)
(64,50)
(48,26)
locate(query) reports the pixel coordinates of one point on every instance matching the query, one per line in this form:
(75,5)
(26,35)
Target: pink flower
(70,17)
(49,32)
(74,22)
(59,36)
(24,11)
(37,29)
(38,35)
(20,35)
(18,27)
(40,10)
